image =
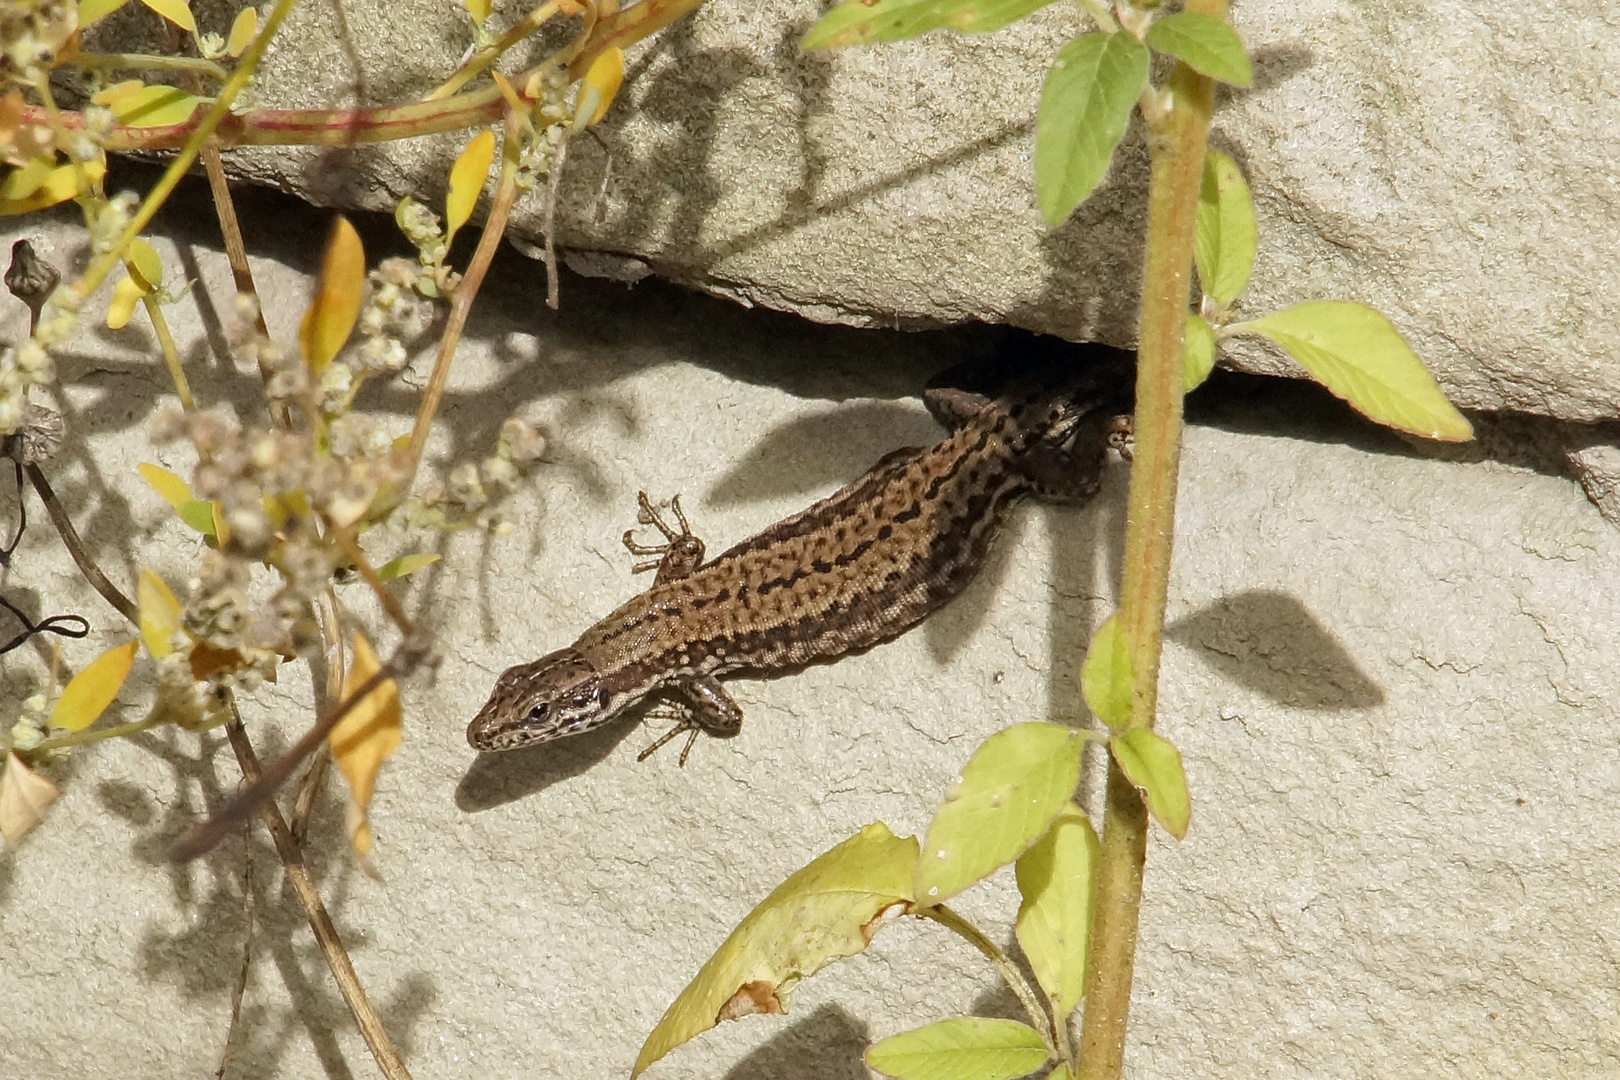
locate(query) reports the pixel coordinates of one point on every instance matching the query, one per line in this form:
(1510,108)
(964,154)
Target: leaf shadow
(1271,644)
(829,1044)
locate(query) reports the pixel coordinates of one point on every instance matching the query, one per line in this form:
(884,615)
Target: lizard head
(556,695)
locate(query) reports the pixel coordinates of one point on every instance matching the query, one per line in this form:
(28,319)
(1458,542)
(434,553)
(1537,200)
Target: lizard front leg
(679,554)
(702,704)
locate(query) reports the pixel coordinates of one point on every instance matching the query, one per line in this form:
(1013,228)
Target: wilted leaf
(1224,239)
(326,325)
(365,737)
(467,178)
(1198,350)
(1085,105)
(91,10)
(243,29)
(1355,352)
(87,694)
(599,87)
(1008,793)
(1054,917)
(405,564)
(1153,764)
(824,912)
(1204,43)
(207,660)
(856,22)
(176,12)
(160,613)
(1105,675)
(24,795)
(963,1048)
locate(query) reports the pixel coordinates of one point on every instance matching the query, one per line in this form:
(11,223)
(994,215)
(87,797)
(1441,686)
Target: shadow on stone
(826,1045)
(1269,643)
(496,779)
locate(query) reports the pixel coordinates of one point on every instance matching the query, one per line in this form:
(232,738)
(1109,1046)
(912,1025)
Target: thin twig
(70,537)
(553,189)
(326,935)
(247,959)
(351,547)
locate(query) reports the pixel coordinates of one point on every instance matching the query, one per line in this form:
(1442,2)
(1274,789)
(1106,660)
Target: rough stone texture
(1451,163)
(1393,679)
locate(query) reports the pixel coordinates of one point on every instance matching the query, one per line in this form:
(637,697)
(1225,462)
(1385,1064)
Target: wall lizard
(861,566)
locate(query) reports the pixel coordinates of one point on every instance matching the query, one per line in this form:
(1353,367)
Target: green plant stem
(1004,966)
(97,734)
(486,56)
(142,62)
(1177,147)
(171,354)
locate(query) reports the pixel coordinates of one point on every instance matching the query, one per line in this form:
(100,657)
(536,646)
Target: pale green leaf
(825,911)
(87,694)
(27,178)
(1060,1073)
(1085,105)
(1105,676)
(199,514)
(1153,764)
(155,106)
(1198,348)
(1054,917)
(1008,793)
(964,1048)
(91,10)
(176,12)
(331,315)
(405,564)
(1355,352)
(143,264)
(159,613)
(1206,44)
(855,23)
(467,178)
(1224,240)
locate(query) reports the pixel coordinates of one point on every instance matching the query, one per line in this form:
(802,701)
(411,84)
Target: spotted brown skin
(861,566)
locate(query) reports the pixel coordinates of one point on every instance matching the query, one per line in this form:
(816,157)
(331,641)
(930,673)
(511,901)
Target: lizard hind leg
(679,554)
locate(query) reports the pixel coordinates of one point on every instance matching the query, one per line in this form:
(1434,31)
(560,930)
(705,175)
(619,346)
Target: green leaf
(965,1048)
(1007,795)
(1054,919)
(828,910)
(87,694)
(1206,44)
(405,564)
(1060,1073)
(199,514)
(855,23)
(1105,676)
(1224,240)
(1085,105)
(1355,352)
(1153,764)
(1198,348)
(156,106)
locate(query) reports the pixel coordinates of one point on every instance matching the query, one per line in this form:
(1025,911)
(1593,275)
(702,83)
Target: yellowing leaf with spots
(87,694)
(331,315)
(364,738)
(160,613)
(1009,792)
(826,911)
(467,178)
(24,795)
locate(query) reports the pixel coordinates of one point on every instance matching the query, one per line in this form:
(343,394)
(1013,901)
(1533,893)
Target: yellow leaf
(364,738)
(242,31)
(87,694)
(467,178)
(160,613)
(478,9)
(176,12)
(599,87)
(24,795)
(175,491)
(136,105)
(143,264)
(59,185)
(26,179)
(222,532)
(126,294)
(331,314)
(91,10)
(118,91)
